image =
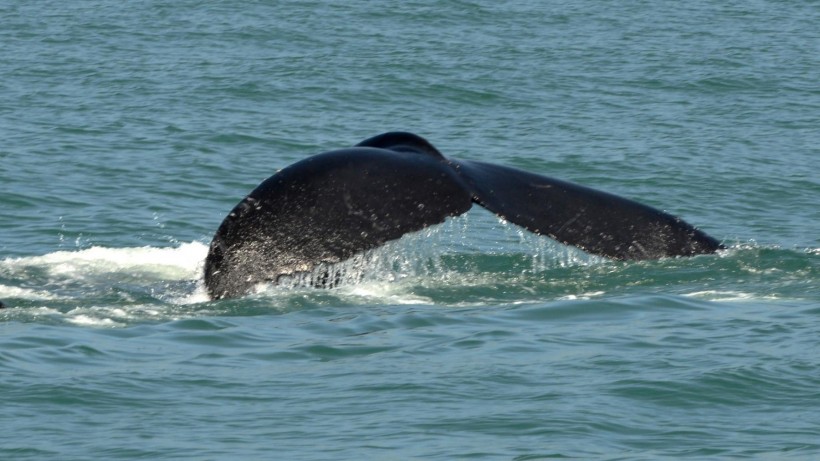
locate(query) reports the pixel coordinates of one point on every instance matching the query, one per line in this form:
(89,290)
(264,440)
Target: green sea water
(128,130)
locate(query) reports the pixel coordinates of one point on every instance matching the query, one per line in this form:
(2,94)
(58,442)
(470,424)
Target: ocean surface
(128,130)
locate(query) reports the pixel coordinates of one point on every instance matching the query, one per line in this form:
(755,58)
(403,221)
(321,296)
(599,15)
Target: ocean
(130,129)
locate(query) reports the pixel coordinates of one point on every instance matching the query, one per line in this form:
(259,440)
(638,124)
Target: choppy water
(130,129)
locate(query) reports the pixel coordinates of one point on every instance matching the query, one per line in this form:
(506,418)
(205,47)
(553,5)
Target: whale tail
(329,207)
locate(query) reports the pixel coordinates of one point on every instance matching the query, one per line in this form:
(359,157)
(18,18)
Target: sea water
(130,129)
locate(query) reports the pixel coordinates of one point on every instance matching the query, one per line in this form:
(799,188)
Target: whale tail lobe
(594,221)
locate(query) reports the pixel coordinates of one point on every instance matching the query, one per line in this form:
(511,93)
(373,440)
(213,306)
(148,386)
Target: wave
(96,272)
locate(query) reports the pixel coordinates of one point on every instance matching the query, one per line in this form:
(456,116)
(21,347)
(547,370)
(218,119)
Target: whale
(329,207)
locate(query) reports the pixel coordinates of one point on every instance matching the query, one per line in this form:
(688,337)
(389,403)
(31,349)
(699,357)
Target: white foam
(384,292)
(582,296)
(88,321)
(26,293)
(199,295)
(118,316)
(728,296)
(174,263)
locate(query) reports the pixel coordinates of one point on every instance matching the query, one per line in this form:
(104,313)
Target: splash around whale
(329,207)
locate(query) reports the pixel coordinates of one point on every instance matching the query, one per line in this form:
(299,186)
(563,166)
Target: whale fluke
(594,221)
(326,208)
